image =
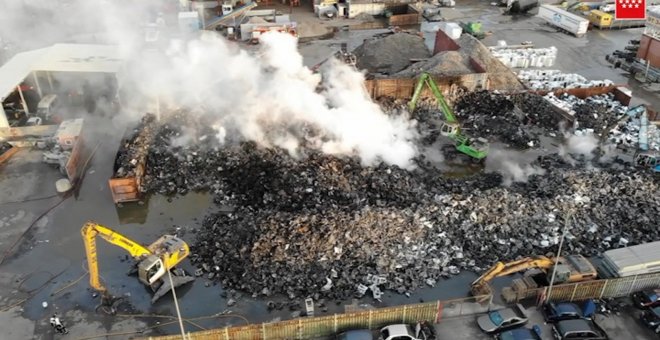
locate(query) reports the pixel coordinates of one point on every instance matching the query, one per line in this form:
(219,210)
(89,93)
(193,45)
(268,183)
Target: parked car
(521,334)
(651,318)
(553,312)
(578,329)
(502,319)
(647,298)
(422,331)
(357,334)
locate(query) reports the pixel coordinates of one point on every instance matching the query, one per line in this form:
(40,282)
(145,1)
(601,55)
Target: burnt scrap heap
(326,226)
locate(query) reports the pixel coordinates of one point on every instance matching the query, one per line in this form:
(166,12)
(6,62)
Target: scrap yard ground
(42,258)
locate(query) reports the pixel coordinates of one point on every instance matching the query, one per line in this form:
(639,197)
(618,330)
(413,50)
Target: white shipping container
(558,17)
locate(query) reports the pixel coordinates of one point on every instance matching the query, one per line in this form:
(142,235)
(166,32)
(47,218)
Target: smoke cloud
(578,147)
(272,99)
(268,97)
(514,166)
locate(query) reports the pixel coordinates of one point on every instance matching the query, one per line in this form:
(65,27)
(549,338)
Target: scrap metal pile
(134,148)
(595,113)
(493,115)
(326,226)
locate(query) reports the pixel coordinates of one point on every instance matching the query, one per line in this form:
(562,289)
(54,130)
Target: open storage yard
(296,185)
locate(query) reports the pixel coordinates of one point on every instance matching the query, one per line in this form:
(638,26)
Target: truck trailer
(630,261)
(569,22)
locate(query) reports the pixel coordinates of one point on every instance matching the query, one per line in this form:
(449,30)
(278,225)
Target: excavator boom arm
(502,269)
(426,78)
(89,232)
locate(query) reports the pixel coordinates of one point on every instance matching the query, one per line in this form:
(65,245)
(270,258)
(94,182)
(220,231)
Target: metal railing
(314,327)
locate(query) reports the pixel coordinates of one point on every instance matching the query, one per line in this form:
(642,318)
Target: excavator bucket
(177,281)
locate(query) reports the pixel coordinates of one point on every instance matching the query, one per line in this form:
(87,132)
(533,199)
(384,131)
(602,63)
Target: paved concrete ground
(624,326)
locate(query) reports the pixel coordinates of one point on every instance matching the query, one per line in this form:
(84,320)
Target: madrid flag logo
(630,10)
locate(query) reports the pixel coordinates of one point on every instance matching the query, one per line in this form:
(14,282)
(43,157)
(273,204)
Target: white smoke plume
(514,166)
(269,98)
(578,146)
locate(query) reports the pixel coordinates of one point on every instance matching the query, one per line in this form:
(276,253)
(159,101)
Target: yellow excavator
(153,262)
(572,268)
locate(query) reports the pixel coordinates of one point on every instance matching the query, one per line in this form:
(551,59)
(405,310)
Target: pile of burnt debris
(328,227)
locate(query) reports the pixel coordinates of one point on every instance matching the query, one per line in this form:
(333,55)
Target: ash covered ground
(329,227)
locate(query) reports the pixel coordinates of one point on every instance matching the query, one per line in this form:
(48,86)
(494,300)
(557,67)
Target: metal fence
(597,289)
(314,327)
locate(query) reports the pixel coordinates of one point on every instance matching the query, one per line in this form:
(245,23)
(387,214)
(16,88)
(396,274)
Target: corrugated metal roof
(58,58)
(16,69)
(80,58)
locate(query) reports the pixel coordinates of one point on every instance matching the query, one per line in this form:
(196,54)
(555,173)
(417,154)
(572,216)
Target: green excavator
(475,148)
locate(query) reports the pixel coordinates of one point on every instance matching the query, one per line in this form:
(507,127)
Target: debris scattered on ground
(538,111)
(448,63)
(555,79)
(391,53)
(493,115)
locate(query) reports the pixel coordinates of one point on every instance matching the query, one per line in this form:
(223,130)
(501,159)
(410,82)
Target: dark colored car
(553,312)
(651,318)
(503,319)
(647,298)
(521,334)
(580,329)
(357,334)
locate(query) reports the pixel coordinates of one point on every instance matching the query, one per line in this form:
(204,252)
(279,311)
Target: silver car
(503,319)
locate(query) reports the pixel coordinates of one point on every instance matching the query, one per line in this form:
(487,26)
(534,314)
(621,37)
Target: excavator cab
(449,129)
(150,270)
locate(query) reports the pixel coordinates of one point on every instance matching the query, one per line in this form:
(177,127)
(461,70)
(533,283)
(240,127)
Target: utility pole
(561,244)
(176,305)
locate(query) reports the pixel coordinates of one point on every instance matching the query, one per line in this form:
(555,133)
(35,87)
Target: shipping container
(555,16)
(604,20)
(649,50)
(629,261)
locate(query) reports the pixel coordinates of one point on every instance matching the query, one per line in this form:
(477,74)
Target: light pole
(176,305)
(561,244)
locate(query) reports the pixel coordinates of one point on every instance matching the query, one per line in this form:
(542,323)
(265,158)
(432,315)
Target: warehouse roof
(58,58)
(16,69)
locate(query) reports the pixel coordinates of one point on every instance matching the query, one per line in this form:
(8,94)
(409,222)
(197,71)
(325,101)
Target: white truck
(569,22)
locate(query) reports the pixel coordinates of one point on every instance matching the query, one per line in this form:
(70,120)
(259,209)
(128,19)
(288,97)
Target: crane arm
(426,78)
(89,232)
(501,269)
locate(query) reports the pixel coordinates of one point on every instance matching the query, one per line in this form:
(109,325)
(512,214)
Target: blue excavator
(476,148)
